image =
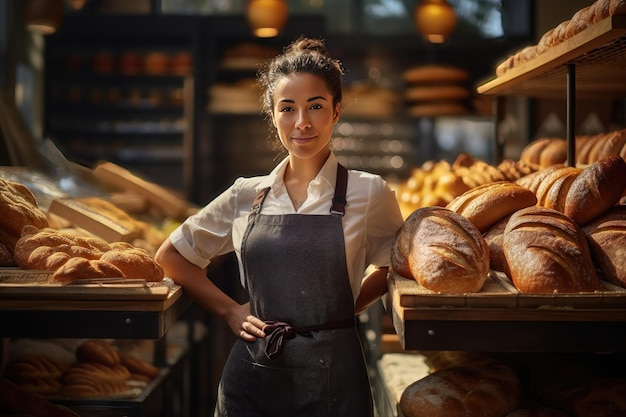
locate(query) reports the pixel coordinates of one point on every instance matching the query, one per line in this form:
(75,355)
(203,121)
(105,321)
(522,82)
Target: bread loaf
(552,190)
(18,208)
(133,262)
(447,253)
(34,367)
(607,241)
(494,238)
(83,372)
(597,188)
(432,74)
(482,388)
(487,204)
(402,246)
(546,252)
(598,397)
(138,366)
(95,350)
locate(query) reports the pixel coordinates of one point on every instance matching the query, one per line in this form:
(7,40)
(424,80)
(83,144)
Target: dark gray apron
(311,362)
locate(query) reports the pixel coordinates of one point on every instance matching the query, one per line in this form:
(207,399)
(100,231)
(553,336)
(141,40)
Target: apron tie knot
(277,333)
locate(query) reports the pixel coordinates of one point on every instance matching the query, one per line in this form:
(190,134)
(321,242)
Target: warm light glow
(435,19)
(267,17)
(43,16)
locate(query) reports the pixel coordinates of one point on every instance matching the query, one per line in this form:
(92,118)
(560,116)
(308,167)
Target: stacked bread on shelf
(98,371)
(438,183)
(581,20)
(548,151)
(557,229)
(436,90)
(473,384)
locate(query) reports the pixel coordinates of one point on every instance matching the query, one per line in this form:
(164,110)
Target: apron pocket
(288,392)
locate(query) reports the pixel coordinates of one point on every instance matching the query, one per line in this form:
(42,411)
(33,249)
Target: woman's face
(304,115)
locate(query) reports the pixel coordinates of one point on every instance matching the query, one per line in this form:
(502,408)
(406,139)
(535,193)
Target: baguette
(546,252)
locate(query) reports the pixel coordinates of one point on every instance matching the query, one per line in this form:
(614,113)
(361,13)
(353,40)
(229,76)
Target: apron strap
(257,203)
(339,200)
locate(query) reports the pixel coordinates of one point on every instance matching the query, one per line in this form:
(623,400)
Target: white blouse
(370,224)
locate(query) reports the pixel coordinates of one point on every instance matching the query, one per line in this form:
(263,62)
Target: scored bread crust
(487,204)
(546,252)
(447,253)
(596,189)
(607,241)
(483,387)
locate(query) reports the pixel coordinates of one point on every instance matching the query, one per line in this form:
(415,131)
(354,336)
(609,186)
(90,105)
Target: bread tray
(17,283)
(499,292)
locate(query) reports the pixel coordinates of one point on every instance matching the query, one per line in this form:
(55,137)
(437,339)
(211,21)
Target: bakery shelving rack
(588,65)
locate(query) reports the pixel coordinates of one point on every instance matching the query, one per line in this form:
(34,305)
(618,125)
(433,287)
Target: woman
(304,236)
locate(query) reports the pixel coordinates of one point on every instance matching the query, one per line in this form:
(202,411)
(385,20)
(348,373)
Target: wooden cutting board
(16,283)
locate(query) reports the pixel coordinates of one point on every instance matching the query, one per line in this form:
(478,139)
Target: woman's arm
(195,283)
(373,286)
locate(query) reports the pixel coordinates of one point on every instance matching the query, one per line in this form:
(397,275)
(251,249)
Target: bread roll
(482,388)
(607,241)
(487,204)
(596,189)
(447,254)
(546,252)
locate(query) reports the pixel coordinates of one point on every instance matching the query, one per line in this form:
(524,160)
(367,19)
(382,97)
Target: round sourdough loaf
(546,252)
(447,253)
(487,204)
(475,388)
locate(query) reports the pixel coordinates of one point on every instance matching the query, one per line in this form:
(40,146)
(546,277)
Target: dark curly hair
(304,55)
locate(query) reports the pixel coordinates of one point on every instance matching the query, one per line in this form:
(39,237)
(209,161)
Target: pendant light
(267,17)
(43,16)
(435,19)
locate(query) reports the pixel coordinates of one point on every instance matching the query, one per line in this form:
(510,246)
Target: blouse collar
(327,174)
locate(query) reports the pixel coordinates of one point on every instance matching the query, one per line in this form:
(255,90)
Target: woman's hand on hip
(245,325)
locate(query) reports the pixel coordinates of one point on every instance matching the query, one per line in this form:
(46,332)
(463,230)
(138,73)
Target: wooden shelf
(598,53)
(499,320)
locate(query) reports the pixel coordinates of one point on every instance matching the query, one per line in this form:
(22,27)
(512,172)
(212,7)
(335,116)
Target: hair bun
(308,45)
